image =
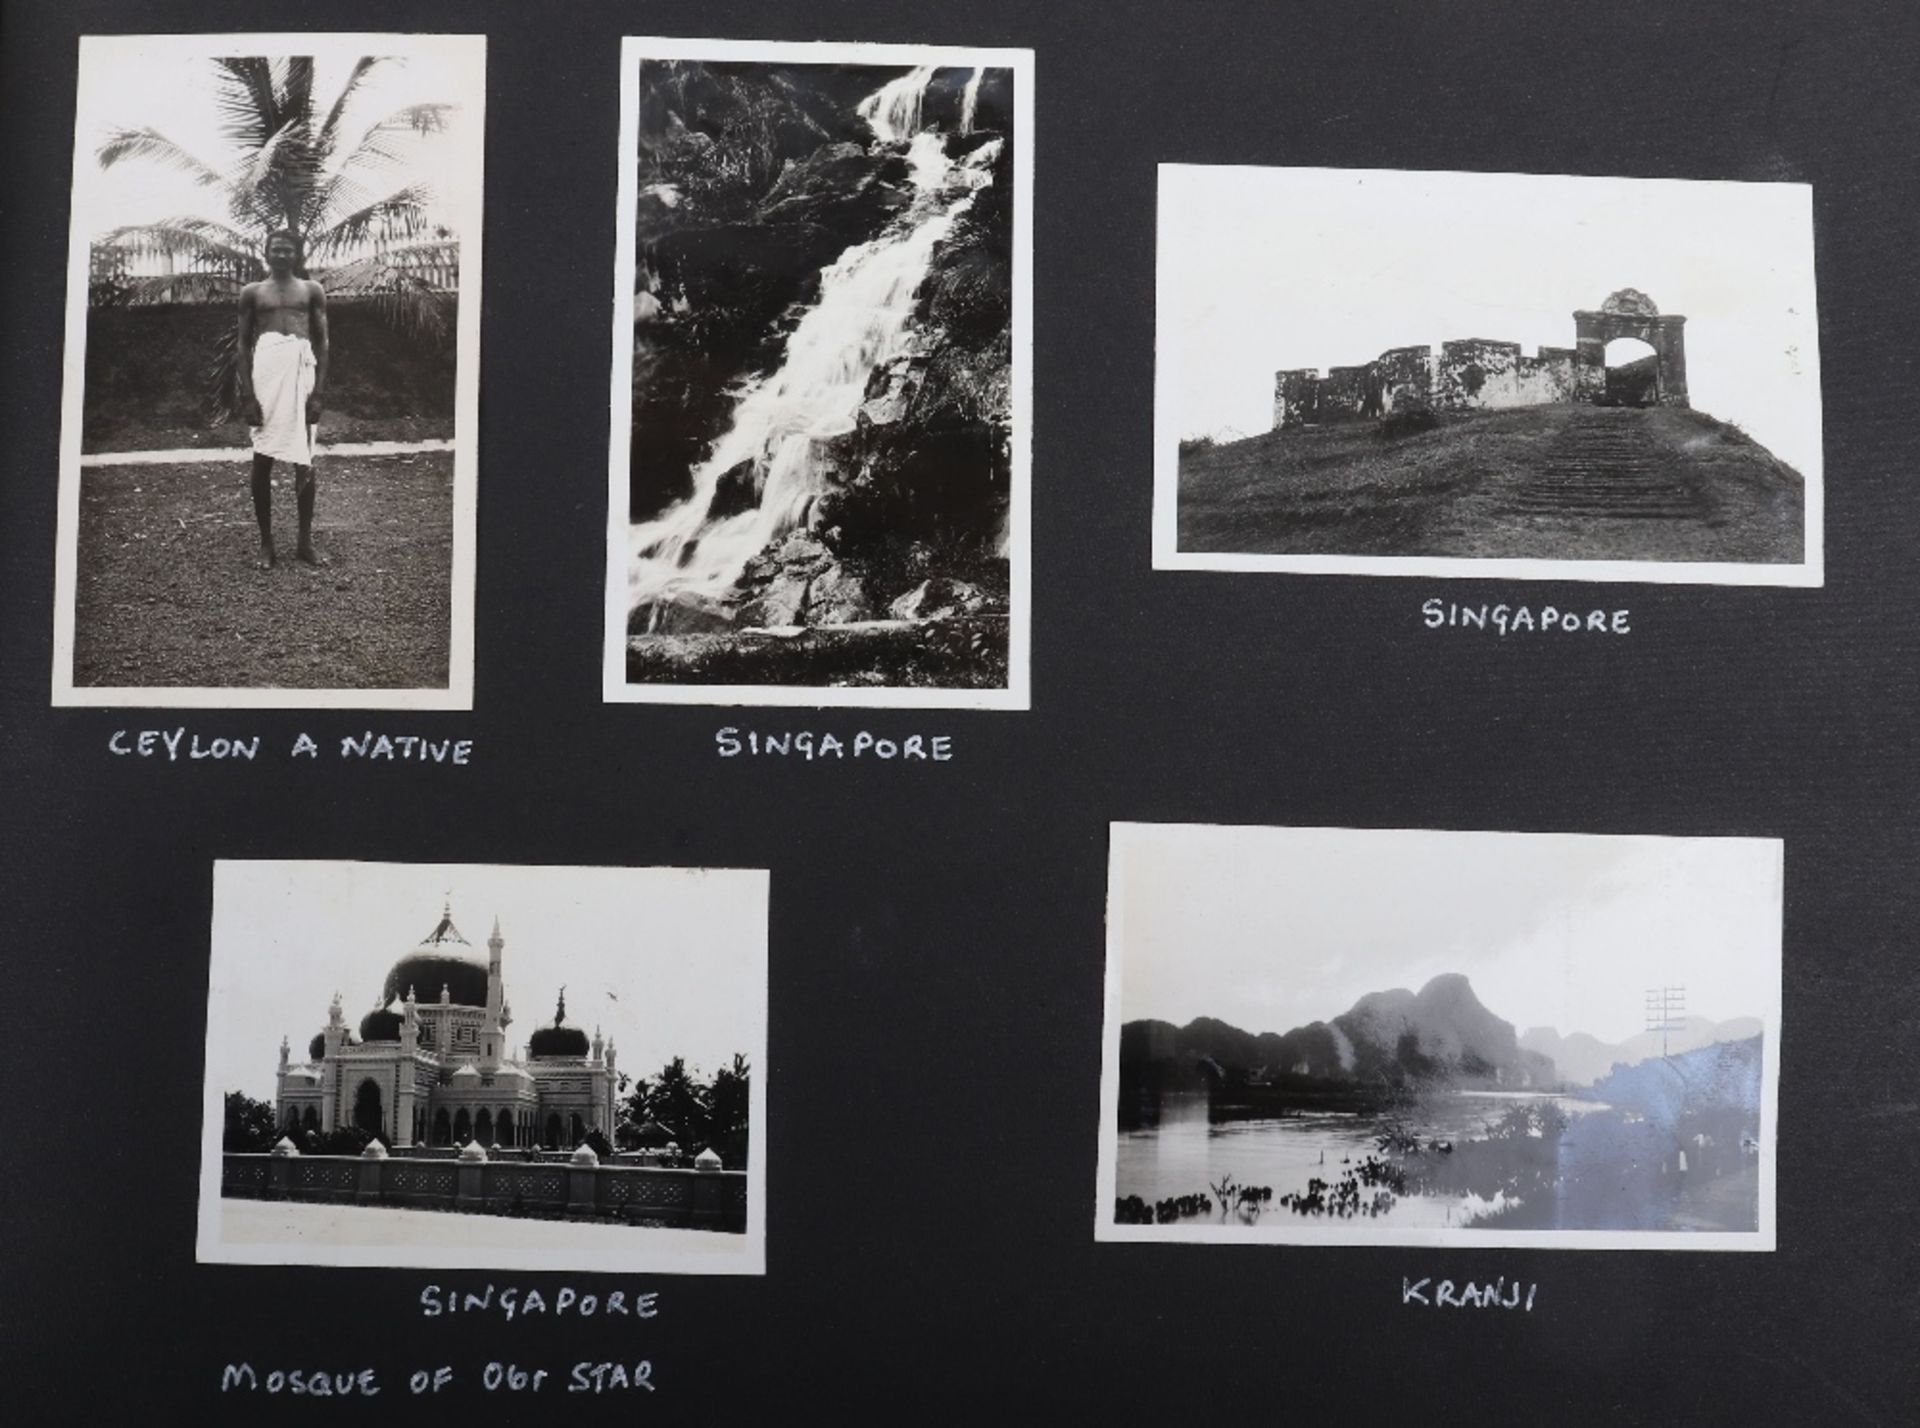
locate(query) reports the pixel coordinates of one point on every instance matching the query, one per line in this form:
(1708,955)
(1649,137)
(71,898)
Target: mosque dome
(557,1038)
(317,1048)
(443,959)
(380,1024)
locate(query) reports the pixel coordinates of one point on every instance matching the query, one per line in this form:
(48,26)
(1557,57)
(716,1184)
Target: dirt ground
(1553,482)
(167,593)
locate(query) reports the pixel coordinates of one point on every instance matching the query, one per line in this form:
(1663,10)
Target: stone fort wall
(1476,373)
(1472,373)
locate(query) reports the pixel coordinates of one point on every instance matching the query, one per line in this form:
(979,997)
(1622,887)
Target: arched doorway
(1633,373)
(483,1128)
(1631,313)
(310,1120)
(462,1127)
(442,1128)
(553,1131)
(367,1113)
(579,1130)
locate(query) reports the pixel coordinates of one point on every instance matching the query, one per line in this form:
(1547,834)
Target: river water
(1185,1153)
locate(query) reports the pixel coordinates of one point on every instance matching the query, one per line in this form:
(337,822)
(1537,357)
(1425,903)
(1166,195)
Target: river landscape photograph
(1393,1036)
(819,464)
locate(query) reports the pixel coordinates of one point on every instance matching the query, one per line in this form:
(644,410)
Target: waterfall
(969,99)
(861,320)
(894,108)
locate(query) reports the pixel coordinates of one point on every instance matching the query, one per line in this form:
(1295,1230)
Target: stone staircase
(1605,462)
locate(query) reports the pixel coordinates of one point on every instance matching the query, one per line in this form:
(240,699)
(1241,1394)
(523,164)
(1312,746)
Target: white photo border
(458,693)
(728,1254)
(1167,555)
(1123,838)
(1016,694)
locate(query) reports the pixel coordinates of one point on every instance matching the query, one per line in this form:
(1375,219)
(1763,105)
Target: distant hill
(1582,1059)
(1441,1033)
(1561,482)
(1723,1078)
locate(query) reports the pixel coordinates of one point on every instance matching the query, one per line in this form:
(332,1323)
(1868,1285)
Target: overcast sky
(160,82)
(1264,269)
(667,961)
(1272,928)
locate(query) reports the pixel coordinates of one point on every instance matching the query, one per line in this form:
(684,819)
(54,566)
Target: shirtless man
(282,374)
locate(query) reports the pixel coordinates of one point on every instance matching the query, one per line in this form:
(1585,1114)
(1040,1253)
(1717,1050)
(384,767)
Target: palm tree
(292,166)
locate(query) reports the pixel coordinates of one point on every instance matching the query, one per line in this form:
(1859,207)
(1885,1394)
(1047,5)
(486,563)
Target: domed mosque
(436,1071)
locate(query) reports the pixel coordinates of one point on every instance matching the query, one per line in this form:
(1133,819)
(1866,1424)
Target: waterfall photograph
(818,477)
(1415,1037)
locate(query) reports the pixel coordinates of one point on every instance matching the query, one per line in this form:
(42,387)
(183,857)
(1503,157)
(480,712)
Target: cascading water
(861,320)
(893,110)
(970,100)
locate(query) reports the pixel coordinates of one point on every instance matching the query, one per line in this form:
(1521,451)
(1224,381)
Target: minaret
(410,1024)
(599,1046)
(444,1032)
(284,1052)
(491,1036)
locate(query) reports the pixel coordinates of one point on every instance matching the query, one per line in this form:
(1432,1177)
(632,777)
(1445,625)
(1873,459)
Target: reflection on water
(1185,1154)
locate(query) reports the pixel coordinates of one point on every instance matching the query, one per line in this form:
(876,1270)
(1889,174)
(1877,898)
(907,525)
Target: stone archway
(368,1113)
(442,1127)
(483,1127)
(1631,313)
(462,1127)
(553,1130)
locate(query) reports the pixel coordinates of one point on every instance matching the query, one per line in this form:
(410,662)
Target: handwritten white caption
(1446,1295)
(499,1375)
(731,743)
(180,743)
(1522,619)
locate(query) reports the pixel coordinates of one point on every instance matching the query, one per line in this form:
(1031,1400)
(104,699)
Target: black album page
(729,714)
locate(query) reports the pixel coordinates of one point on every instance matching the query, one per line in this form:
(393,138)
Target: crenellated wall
(1477,373)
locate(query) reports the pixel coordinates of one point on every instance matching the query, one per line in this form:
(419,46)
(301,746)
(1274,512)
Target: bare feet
(265,559)
(307,555)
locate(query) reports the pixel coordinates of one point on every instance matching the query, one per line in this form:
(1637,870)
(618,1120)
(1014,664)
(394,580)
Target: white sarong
(283,373)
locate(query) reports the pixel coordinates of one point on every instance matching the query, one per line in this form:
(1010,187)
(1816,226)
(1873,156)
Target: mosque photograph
(373,1098)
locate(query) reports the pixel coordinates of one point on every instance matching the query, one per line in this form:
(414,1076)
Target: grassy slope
(1448,492)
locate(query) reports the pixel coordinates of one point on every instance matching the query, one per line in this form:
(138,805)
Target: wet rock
(938,598)
(837,597)
(684,615)
(737,490)
(801,582)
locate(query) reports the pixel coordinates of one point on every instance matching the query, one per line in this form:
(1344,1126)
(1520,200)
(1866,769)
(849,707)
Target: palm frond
(374,148)
(150,144)
(182,287)
(400,214)
(400,299)
(249,108)
(329,136)
(201,239)
(296,91)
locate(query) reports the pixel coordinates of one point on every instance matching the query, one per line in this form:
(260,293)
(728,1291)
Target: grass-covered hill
(1562,482)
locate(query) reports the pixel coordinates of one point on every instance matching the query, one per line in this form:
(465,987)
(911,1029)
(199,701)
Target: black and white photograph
(267,459)
(486,1067)
(818,483)
(1534,376)
(1400,1036)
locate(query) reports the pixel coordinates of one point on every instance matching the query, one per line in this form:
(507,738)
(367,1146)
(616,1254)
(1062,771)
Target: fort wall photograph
(1453,373)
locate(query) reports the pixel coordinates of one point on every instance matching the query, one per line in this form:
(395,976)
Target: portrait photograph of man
(267,475)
